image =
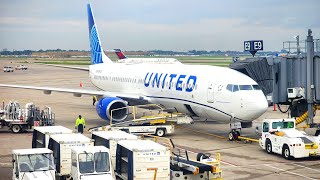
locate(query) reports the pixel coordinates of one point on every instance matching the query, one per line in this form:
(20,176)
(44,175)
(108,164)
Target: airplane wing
(79,92)
(68,67)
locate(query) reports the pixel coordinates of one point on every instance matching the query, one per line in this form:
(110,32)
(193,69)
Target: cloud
(156,24)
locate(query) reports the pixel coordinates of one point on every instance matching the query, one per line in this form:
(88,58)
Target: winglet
(120,54)
(97,54)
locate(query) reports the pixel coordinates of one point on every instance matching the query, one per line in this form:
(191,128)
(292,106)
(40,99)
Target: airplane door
(210,93)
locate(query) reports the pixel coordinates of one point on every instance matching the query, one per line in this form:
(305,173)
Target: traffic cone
(81,85)
(274,107)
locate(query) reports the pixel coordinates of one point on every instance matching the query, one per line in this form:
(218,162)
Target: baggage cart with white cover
(142,159)
(61,145)
(41,134)
(110,140)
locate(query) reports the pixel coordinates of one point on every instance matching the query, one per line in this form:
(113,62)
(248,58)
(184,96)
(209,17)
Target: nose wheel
(233,135)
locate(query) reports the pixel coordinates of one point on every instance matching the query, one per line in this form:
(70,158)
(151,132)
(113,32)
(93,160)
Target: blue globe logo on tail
(96,53)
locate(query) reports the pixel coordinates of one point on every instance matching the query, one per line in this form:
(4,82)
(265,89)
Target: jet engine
(105,105)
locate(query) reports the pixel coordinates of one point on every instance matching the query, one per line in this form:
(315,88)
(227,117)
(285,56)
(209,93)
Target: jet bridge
(293,79)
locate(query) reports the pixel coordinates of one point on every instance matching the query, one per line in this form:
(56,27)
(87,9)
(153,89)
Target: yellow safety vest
(80,121)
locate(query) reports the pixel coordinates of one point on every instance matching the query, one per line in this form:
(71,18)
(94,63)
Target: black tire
(199,156)
(160,132)
(268,146)
(286,152)
(16,128)
(230,136)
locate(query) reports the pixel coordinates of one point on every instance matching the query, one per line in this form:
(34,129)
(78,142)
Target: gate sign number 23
(255,45)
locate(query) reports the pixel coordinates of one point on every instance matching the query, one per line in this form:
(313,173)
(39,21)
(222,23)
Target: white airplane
(209,92)
(124,59)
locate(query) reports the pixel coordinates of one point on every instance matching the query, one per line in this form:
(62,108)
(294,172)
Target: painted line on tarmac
(288,171)
(306,167)
(5,164)
(200,132)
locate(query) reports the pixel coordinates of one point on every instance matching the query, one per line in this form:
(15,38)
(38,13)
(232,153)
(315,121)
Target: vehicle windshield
(89,163)
(86,164)
(102,163)
(36,162)
(283,125)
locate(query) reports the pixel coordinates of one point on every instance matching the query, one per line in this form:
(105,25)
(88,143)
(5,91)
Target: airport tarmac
(238,160)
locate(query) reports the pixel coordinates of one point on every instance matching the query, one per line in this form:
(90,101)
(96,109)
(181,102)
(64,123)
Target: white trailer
(110,140)
(91,163)
(280,136)
(158,130)
(61,145)
(41,134)
(142,159)
(33,164)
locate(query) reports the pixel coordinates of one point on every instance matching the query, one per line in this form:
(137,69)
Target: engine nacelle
(105,105)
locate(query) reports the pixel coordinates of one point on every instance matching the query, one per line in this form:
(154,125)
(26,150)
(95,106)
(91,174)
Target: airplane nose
(256,107)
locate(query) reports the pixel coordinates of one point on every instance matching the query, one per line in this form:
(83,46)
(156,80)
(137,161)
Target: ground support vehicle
(156,121)
(21,67)
(61,145)
(158,130)
(7,69)
(41,135)
(205,167)
(110,140)
(33,164)
(18,119)
(280,136)
(142,159)
(91,162)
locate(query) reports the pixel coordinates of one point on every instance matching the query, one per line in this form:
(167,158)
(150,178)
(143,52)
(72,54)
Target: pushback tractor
(280,136)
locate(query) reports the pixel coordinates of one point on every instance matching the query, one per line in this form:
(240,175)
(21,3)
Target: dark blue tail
(97,54)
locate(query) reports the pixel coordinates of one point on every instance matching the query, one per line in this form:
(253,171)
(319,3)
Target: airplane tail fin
(97,54)
(120,54)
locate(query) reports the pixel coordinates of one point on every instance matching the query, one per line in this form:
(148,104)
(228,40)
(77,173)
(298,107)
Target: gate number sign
(255,45)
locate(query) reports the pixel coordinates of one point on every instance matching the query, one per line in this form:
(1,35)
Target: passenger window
(235,88)
(265,127)
(229,87)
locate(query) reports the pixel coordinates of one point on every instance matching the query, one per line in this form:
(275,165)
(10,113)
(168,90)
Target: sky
(178,25)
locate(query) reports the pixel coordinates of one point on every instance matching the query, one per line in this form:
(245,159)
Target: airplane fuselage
(194,89)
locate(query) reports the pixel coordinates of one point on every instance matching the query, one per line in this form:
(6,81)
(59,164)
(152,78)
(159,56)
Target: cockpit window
(229,87)
(235,88)
(256,87)
(245,87)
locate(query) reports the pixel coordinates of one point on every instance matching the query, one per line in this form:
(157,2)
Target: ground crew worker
(80,124)
(94,98)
